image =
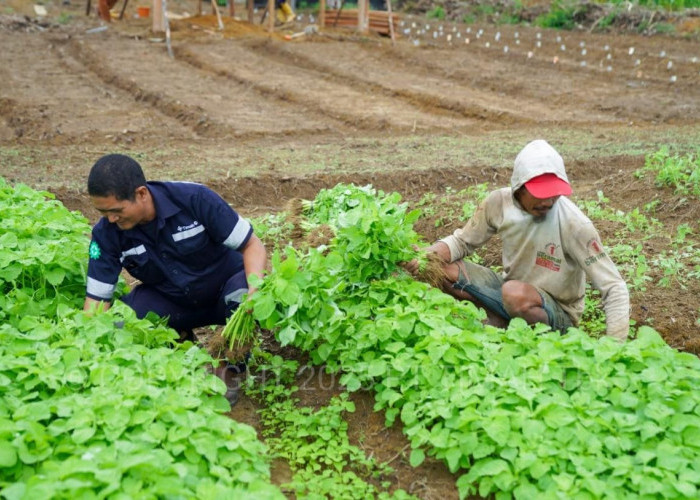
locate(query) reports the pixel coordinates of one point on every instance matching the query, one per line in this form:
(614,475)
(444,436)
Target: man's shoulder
(103,227)
(172,196)
(502,197)
(177,188)
(571,210)
(504,192)
(573,221)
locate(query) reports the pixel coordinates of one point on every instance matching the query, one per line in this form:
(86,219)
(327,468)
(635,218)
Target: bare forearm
(441,249)
(254,258)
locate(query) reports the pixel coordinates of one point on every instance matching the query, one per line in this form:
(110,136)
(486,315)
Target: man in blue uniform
(191,251)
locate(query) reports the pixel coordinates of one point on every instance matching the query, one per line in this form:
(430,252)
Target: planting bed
(262,120)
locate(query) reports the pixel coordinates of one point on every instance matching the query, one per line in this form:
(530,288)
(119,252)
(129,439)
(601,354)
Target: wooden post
(158,19)
(367,8)
(121,14)
(391,22)
(167,30)
(322,13)
(337,13)
(215,10)
(363,16)
(251,13)
(271,16)
(231,8)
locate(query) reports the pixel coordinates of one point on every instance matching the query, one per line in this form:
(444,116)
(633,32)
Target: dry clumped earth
(263,120)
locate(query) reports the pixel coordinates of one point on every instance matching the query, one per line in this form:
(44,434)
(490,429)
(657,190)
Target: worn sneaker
(232,395)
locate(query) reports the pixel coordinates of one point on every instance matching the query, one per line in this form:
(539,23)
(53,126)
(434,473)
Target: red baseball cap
(547,185)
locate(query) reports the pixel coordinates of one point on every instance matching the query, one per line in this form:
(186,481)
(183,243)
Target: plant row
(102,406)
(520,412)
(314,441)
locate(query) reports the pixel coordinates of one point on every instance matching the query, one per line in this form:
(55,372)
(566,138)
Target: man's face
(124,213)
(537,207)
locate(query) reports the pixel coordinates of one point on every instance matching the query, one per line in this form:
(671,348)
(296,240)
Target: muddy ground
(263,120)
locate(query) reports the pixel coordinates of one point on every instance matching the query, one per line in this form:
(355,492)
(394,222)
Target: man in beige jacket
(549,248)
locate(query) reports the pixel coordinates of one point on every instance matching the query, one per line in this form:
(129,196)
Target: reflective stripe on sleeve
(100,289)
(187,234)
(235,296)
(238,235)
(132,251)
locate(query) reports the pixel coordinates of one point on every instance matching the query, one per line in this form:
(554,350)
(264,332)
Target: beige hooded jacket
(554,253)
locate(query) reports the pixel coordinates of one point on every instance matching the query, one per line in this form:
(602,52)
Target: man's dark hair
(116,175)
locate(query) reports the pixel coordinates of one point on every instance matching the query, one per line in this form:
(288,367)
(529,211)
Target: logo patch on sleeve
(94,250)
(595,251)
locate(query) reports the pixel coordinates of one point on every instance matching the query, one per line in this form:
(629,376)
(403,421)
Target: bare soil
(263,120)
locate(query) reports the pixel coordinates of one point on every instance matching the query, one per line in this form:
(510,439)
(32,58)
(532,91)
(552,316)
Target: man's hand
(93,306)
(412,267)
(439,248)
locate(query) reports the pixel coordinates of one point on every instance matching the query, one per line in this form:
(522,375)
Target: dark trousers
(146,298)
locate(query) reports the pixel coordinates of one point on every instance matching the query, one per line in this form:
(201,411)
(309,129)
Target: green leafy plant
(593,317)
(559,16)
(682,173)
(102,405)
(314,441)
(521,411)
(437,12)
(240,328)
(274,230)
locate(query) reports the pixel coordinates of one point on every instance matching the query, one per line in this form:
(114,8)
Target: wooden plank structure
(378,21)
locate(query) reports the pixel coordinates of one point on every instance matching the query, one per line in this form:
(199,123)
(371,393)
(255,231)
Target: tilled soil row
(323,61)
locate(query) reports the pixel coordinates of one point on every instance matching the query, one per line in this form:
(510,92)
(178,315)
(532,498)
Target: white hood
(537,158)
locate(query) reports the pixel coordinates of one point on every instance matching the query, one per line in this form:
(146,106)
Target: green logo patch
(95,251)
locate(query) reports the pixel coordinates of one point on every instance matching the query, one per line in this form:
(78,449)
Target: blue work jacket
(187,252)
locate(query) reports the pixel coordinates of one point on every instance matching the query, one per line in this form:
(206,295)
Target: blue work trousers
(183,318)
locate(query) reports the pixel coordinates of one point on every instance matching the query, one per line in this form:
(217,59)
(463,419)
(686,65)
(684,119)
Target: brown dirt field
(263,120)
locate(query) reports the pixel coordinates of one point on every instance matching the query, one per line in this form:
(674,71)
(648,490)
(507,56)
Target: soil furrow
(373,75)
(184,114)
(268,91)
(355,105)
(53,100)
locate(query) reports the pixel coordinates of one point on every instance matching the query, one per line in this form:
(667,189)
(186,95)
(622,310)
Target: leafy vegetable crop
(523,412)
(42,253)
(314,442)
(95,407)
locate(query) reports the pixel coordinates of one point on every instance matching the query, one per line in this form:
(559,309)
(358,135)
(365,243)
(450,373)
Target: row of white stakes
(497,37)
(538,44)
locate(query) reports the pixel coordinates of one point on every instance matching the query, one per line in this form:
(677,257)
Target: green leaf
(324,350)
(264,306)
(498,429)
(351,382)
(376,367)
(8,455)
(487,467)
(8,240)
(417,457)
(287,335)
(453,457)
(55,275)
(691,436)
(557,416)
(83,434)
